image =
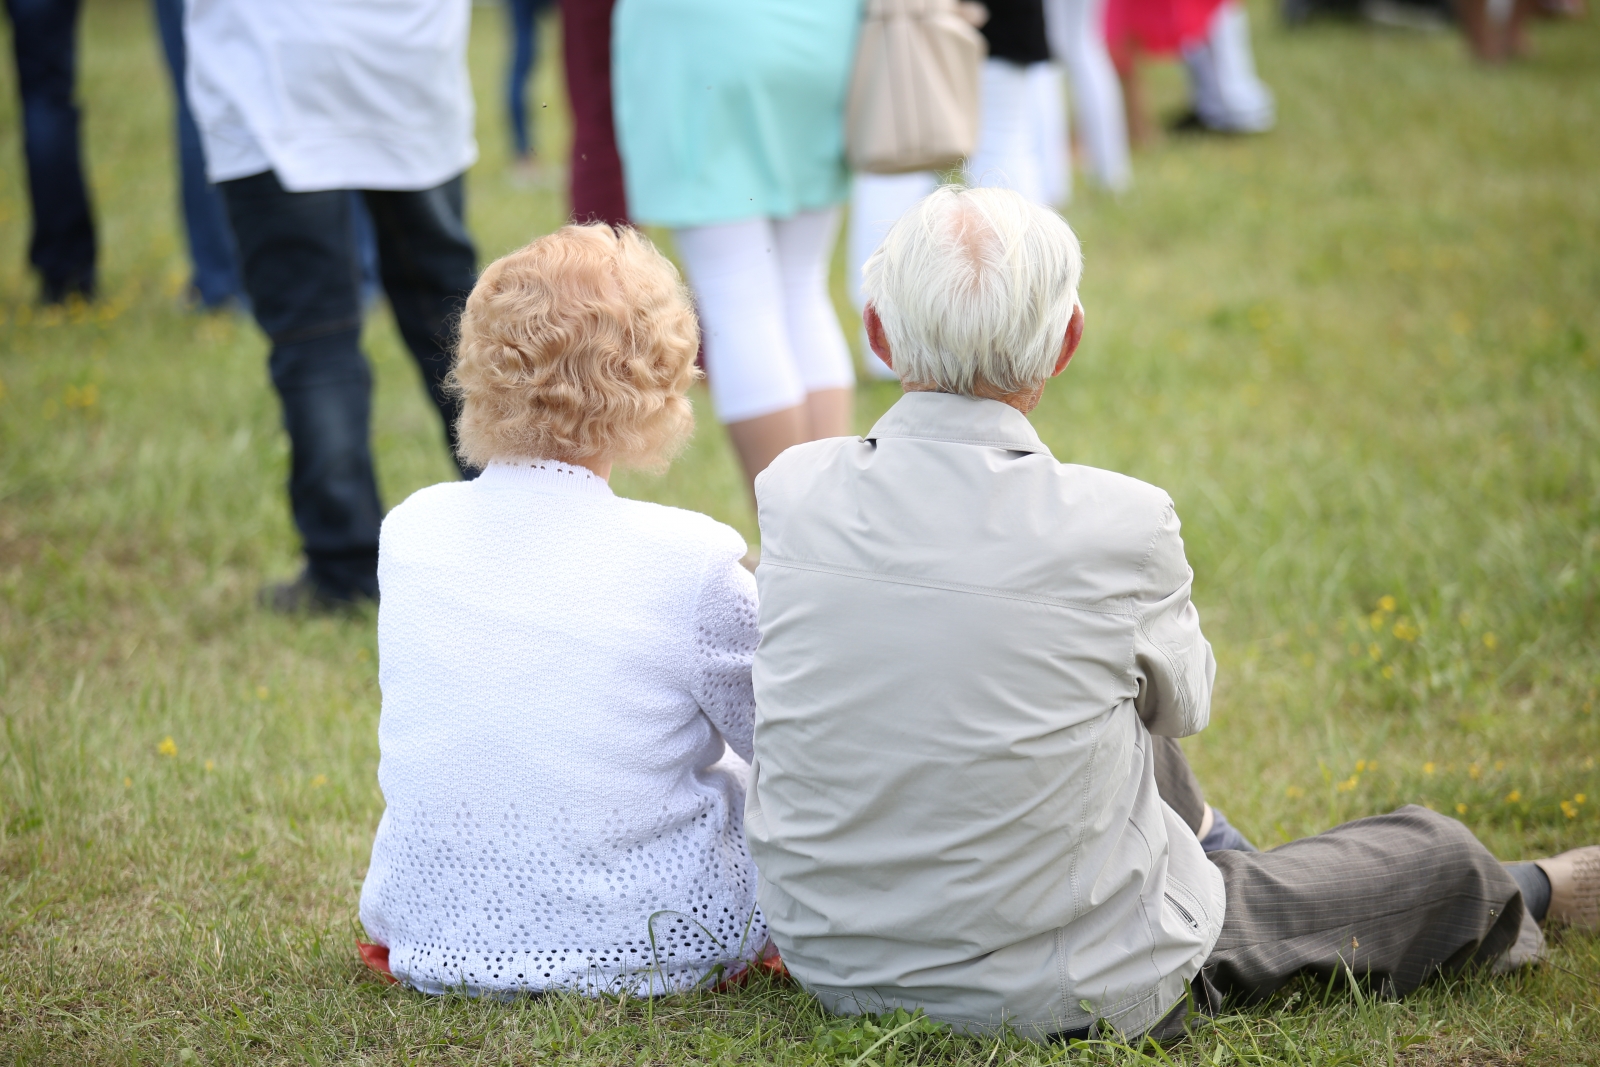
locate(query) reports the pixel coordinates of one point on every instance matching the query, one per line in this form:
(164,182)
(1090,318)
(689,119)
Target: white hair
(975,286)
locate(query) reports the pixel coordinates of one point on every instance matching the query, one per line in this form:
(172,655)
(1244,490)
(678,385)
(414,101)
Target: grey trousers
(1393,900)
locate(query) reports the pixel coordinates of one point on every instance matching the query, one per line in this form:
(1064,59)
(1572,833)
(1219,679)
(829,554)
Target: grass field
(1362,353)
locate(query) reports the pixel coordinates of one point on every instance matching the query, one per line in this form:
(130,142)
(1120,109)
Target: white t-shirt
(332,94)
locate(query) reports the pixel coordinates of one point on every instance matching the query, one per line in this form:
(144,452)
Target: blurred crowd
(322,147)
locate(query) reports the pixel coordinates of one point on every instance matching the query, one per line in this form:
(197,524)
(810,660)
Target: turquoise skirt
(731,109)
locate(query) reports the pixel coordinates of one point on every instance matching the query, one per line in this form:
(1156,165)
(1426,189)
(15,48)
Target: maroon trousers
(596,183)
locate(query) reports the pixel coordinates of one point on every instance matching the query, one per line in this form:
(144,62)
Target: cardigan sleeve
(725,644)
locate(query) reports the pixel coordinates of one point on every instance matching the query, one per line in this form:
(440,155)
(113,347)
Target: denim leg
(366,250)
(524,51)
(300,269)
(62,249)
(326,389)
(429,266)
(211,248)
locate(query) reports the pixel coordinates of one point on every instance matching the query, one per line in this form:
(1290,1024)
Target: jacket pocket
(1184,913)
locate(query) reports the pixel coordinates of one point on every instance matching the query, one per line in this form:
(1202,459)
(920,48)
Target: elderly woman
(563,669)
(970,654)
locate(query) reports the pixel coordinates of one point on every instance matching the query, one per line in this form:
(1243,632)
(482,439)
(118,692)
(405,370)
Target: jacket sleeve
(1172,660)
(726,634)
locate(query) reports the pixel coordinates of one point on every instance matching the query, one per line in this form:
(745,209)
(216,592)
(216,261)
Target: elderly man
(970,657)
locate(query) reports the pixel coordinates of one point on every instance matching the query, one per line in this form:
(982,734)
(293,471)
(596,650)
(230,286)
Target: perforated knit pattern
(560,668)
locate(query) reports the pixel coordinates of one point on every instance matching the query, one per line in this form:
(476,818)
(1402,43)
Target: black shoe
(1188,122)
(59,292)
(304,596)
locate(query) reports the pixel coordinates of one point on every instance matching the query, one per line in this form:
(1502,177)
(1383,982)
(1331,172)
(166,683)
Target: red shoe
(376,957)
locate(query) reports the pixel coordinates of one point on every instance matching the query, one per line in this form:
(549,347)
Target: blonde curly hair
(578,346)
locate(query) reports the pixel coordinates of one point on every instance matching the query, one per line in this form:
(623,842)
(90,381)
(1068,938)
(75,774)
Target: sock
(1535,886)
(1224,836)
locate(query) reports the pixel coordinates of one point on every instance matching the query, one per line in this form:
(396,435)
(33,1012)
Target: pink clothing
(1160,27)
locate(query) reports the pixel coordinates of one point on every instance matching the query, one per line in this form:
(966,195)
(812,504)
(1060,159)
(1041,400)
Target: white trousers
(771,333)
(1076,29)
(876,202)
(1022,132)
(1222,75)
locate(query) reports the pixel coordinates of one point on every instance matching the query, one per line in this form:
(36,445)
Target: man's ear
(876,339)
(1069,344)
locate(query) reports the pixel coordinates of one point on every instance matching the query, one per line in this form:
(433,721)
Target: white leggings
(1022,132)
(772,335)
(1077,32)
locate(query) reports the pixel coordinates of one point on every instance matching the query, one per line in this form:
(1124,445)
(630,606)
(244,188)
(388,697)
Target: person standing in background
(215,282)
(1213,36)
(44,41)
(594,168)
(299,102)
(1022,135)
(524,59)
(1076,29)
(730,121)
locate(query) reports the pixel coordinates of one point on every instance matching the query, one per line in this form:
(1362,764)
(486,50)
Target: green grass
(1362,353)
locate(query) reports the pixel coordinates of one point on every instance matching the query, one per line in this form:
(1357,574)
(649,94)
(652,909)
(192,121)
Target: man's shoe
(304,596)
(1574,888)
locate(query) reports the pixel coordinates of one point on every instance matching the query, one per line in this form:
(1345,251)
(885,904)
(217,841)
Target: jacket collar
(959,420)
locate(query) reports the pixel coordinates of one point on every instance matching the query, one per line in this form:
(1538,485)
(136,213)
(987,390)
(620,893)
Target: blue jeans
(211,250)
(62,248)
(303,274)
(524,55)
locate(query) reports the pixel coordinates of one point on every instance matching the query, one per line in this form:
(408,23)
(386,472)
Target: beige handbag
(914,94)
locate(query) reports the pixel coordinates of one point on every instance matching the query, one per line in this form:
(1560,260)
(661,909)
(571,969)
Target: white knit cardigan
(560,669)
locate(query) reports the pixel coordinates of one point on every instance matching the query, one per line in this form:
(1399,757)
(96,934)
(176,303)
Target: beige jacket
(964,648)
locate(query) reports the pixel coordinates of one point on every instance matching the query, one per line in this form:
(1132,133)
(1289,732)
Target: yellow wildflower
(1349,783)
(81,398)
(1513,796)
(1474,771)
(1375,620)
(1428,768)
(1405,631)
(1569,809)
(1461,809)
(262,692)
(319,781)
(211,765)
(1490,641)
(1294,792)
(167,747)
(1374,651)
(1361,765)
(1579,799)
(1386,603)
(127,781)
(1388,672)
